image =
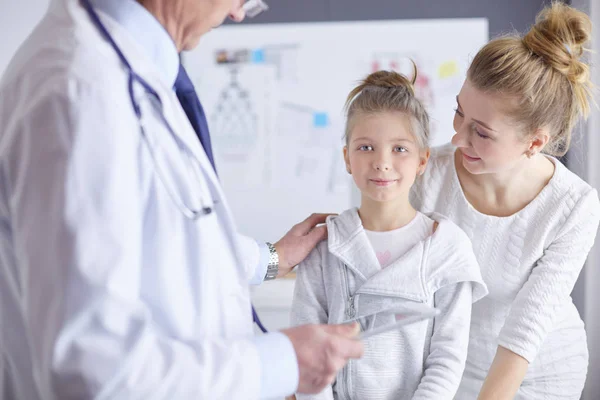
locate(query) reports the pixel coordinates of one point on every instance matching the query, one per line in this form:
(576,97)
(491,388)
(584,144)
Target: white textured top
(530,262)
(391,245)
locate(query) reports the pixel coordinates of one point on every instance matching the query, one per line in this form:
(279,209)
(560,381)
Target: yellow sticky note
(448,69)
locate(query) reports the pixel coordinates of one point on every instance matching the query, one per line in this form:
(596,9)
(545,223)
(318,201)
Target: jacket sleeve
(77,224)
(310,303)
(445,363)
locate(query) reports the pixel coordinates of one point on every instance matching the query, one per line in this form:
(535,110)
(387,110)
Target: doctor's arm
(538,303)
(292,248)
(78,221)
(78,217)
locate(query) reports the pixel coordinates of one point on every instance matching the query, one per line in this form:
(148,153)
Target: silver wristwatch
(273,266)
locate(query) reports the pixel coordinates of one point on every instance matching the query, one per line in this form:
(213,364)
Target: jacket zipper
(350,313)
(350,309)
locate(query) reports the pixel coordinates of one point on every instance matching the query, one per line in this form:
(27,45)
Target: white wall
(584,159)
(17,19)
(592,277)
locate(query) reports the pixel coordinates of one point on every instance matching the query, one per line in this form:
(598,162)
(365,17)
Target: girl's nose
(381,165)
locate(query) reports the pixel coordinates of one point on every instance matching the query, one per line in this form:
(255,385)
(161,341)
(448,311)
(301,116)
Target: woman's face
(488,139)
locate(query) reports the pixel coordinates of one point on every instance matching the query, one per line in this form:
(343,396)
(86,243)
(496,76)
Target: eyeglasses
(254,7)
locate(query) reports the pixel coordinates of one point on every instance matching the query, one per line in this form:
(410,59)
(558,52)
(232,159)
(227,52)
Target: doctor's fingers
(313,382)
(346,330)
(309,223)
(343,348)
(317,234)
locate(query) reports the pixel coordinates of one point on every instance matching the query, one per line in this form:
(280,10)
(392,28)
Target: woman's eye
(365,148)
(481,135)
(458,112)
(400,149)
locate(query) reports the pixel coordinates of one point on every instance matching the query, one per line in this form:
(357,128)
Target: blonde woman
(531,221)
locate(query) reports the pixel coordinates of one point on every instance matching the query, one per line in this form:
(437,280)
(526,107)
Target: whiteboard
(274,96)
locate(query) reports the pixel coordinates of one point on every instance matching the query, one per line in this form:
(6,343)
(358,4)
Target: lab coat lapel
(171,108)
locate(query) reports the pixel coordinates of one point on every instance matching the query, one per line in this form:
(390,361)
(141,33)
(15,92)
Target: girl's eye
(400,149)
(365,148)
(457,111)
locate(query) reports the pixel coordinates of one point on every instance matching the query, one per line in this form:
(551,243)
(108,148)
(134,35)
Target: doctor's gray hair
(388,91)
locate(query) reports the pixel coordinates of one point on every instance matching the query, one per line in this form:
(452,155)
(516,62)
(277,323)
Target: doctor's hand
(322,350)
(295,246)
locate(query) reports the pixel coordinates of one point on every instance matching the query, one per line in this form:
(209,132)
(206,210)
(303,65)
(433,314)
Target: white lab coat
(106,289)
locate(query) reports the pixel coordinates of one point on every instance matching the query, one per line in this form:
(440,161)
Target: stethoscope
(189,212)
(192,213)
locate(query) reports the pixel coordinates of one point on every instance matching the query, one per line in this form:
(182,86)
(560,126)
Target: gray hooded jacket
(342,279)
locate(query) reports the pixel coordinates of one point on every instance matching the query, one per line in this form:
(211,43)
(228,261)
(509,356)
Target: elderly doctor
(121,273)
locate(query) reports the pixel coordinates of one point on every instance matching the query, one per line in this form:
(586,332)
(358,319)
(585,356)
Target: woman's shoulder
(440,165)
(441,156)
(567,182)
(569,191)
(438,174)
(443,151)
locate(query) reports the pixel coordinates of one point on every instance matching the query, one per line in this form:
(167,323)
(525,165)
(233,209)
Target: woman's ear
(347,160)
(423,160)
(537,142)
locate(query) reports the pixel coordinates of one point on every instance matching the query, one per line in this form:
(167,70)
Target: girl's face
(383,156)
(488,139)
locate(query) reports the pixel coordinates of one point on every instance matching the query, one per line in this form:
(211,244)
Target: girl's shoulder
(450,259)
(448,235)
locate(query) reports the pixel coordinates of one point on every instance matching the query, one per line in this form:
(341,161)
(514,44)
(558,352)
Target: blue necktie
(186,93)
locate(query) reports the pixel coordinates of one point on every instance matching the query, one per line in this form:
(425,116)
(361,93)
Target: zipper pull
(351,311)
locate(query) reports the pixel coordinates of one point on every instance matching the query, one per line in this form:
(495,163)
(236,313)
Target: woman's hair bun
(558,37)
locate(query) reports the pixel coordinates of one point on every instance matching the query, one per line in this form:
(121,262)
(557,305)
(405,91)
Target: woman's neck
(385,216)
(503,194)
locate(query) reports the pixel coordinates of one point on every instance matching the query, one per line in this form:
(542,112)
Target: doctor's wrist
(273,265)
(284,267)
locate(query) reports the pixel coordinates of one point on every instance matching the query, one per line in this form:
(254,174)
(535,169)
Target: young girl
(386,254)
